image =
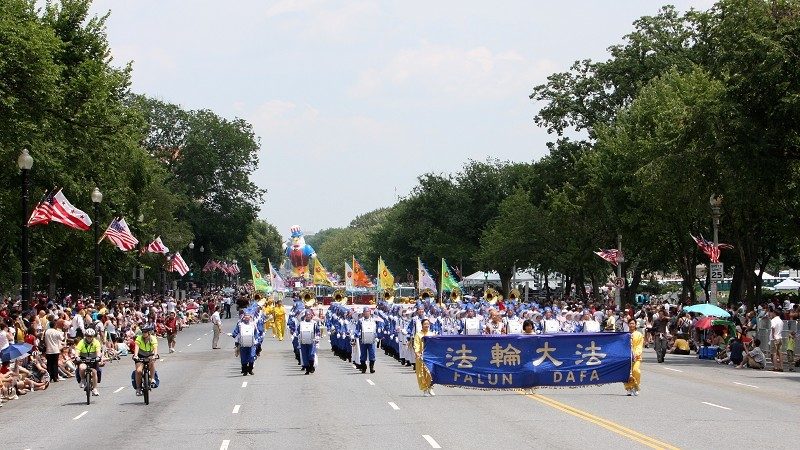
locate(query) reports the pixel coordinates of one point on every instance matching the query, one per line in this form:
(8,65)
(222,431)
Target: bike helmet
(89,332)
(147,328)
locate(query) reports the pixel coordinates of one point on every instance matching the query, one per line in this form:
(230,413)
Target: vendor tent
(787,285)
(478,278)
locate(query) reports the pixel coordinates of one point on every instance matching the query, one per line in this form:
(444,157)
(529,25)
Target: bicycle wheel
(146,386)
(87,386)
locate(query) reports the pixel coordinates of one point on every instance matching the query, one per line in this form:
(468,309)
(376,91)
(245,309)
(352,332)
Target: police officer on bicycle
(145,346)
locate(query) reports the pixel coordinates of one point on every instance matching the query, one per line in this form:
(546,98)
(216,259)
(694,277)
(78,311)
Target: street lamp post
(97,197)
(620,260)
(25,162)
(202,249)
(716,203)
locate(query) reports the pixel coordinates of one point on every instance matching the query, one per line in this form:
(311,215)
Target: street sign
(717,272)
(619,282)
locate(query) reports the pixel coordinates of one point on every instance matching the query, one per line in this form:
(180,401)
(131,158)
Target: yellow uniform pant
(636,376)
(279,328)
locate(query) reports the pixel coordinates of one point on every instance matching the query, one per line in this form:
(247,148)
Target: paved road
(204,403)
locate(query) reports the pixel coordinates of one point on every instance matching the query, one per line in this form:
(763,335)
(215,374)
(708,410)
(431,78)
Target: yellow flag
(385,277)
(320,274)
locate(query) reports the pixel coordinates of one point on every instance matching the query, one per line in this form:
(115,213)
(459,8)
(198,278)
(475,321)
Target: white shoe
(630,392)
(430,391)
(635,392)
(95,392)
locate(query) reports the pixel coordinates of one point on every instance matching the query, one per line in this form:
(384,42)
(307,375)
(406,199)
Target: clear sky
(352,100)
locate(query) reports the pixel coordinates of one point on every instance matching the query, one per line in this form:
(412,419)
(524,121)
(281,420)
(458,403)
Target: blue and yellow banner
(522,361)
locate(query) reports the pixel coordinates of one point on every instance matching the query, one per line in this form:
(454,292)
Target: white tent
(787,285)
(478,278)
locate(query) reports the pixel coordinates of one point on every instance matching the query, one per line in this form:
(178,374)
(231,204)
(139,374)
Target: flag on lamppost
(611,255)
(120,235)
(177,264)
(713,251)
(157,246)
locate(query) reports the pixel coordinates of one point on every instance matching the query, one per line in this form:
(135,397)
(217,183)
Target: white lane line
(394,406)
(748,385)
(205,334)
(199,338)
(236,409)
(244,383)
(431,441)
(119,389)
(716,406)
(371,383)
(674,370)
(225,444)
(188,345)
(80,415)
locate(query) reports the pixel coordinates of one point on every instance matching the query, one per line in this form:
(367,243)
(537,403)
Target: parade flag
(320,274)
(177,264)
(42,212)
(713,251)
(259,283)
(425,281)
(348,278)
(611,255)
(66,214)
(157,246)
(449,283)
(275,279)
(235,268)
(385,277)
(120,235)
(360,278)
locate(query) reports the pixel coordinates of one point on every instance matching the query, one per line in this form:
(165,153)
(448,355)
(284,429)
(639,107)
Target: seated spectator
(733,353)
(680,346)
(753,356)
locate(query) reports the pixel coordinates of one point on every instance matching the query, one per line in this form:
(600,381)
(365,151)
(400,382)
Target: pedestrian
(247,337)
(216,324)
(776,340)
(637,347)
(171,326)
(227,301)
(790,351)
(367,329)
(660,332)
(309,335)
(53,341)
(424,380)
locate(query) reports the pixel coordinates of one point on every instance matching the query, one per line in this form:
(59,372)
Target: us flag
(713,251)
(43,211)
(177,264)
(611,255)
(120,235)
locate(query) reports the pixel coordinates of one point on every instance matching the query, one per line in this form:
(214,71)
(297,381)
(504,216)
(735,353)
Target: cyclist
(89,347)
(145,345)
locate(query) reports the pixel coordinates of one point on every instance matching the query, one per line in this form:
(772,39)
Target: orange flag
(360,278)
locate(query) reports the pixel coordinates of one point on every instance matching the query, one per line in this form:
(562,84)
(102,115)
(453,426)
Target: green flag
(259,283)
(449,282)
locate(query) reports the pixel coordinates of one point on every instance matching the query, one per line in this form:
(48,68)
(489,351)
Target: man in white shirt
(216,322)
(775,340)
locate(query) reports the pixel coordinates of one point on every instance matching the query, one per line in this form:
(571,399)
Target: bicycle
(146,377)
(88,376)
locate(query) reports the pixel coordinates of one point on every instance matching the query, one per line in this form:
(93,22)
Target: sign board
(717,272)
(619,282)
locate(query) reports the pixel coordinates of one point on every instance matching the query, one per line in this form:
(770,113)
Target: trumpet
(491,296)
(388,296)
(340,296)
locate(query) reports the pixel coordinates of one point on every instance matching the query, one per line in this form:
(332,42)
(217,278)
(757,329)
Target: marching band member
(513,322)
(247,338)
(470,325)
(550,324)
(309,335)
(355,349)
(495,325)
(366,334)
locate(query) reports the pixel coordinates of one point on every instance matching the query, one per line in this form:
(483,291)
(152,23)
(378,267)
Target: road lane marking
(225,444)
(674,370)
(394,406)
(748,385)
(188,345)
(119,389)
(715,406)
(80,415)
(236,409)
(244,383)
(607,424)
(199,338)
(205,334)
(431,441)
(371,383)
